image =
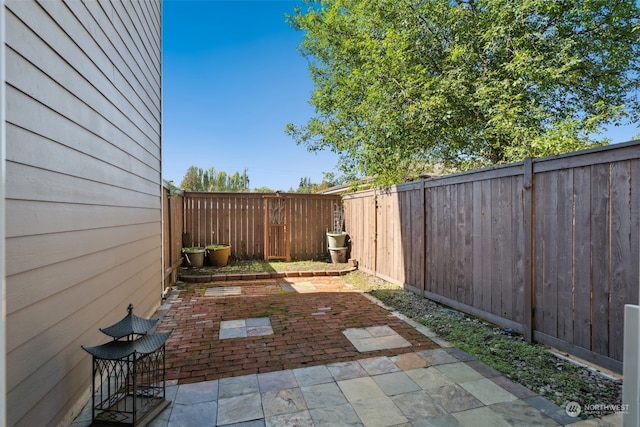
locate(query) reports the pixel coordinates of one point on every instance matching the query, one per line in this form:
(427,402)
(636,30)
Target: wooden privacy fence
(549,247)
(172,219)
(260,226)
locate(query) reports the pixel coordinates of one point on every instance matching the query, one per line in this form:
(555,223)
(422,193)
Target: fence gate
(276,228)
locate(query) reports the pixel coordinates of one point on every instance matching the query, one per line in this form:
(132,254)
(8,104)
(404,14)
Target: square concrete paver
(460,372)
(437,356)
(487,391)
(379,412)
(419,406)
(378,365)
(223,291)
(302,418)
(340,415)
(238,409)
(396,383)
(242,328)
(279,402)
(277,380)
(375,338)
(312,375)
(428,378)
(237,386)
(359,389)
(323,396)
(198,392)
(454,398)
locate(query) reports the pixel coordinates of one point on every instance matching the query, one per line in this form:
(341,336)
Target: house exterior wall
(83,190)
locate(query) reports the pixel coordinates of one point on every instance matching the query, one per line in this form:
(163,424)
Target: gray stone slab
(395,383)
(233,333)
(356,333)
(280,402)
(381,331)
(517,389)
(484,369)
(463,356)
(238,409)
(378,365)
(230,324)
(258,331)
(379,412)
(223,291)
(418,405)
(358,389)
(488,392)
(379,343)
(323,396)
(298,419)
(237,386)
(550,409)
(460,372)
(520,414)
(335,416)
(437,357)
(428,378)
(312,375)
(454,398)
(346,370)
(424,330)
(193,414)
(206,391)
(277,380)
(253,423)
(482,416)
(258,321)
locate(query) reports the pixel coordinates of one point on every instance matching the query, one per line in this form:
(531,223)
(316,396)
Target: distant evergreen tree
(197,179)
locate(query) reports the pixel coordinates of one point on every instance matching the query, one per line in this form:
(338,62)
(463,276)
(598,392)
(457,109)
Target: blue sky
(232,79)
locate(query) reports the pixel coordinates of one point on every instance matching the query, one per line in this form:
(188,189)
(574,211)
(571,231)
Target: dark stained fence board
(238,219)
(600,209)
(582,258)
(564,259)
(548,246)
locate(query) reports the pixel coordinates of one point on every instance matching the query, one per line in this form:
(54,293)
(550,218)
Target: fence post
(528,224)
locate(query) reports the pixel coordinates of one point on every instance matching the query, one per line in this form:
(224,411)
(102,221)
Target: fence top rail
(205,194)
(592,156)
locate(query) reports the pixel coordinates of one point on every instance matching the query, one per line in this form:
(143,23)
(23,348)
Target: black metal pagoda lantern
(129,372)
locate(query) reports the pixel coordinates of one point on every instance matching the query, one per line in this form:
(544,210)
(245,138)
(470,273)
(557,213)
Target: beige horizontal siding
(83,199)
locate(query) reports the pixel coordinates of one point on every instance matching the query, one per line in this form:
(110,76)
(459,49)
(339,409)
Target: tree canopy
(198,179)
(401,84)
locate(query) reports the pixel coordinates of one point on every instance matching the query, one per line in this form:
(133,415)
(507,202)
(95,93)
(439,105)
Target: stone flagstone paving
(413,386)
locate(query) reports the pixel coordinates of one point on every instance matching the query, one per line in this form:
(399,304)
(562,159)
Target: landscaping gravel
(532,365)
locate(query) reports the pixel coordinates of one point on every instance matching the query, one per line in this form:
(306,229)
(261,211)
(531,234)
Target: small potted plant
(218,255)
(194,256)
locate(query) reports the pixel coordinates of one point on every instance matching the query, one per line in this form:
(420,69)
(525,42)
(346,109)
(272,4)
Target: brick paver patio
(307,314)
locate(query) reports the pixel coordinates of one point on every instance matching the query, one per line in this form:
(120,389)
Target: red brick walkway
(307,328)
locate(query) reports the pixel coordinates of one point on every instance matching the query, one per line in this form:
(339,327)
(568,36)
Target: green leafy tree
(403,84)
(197,179)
